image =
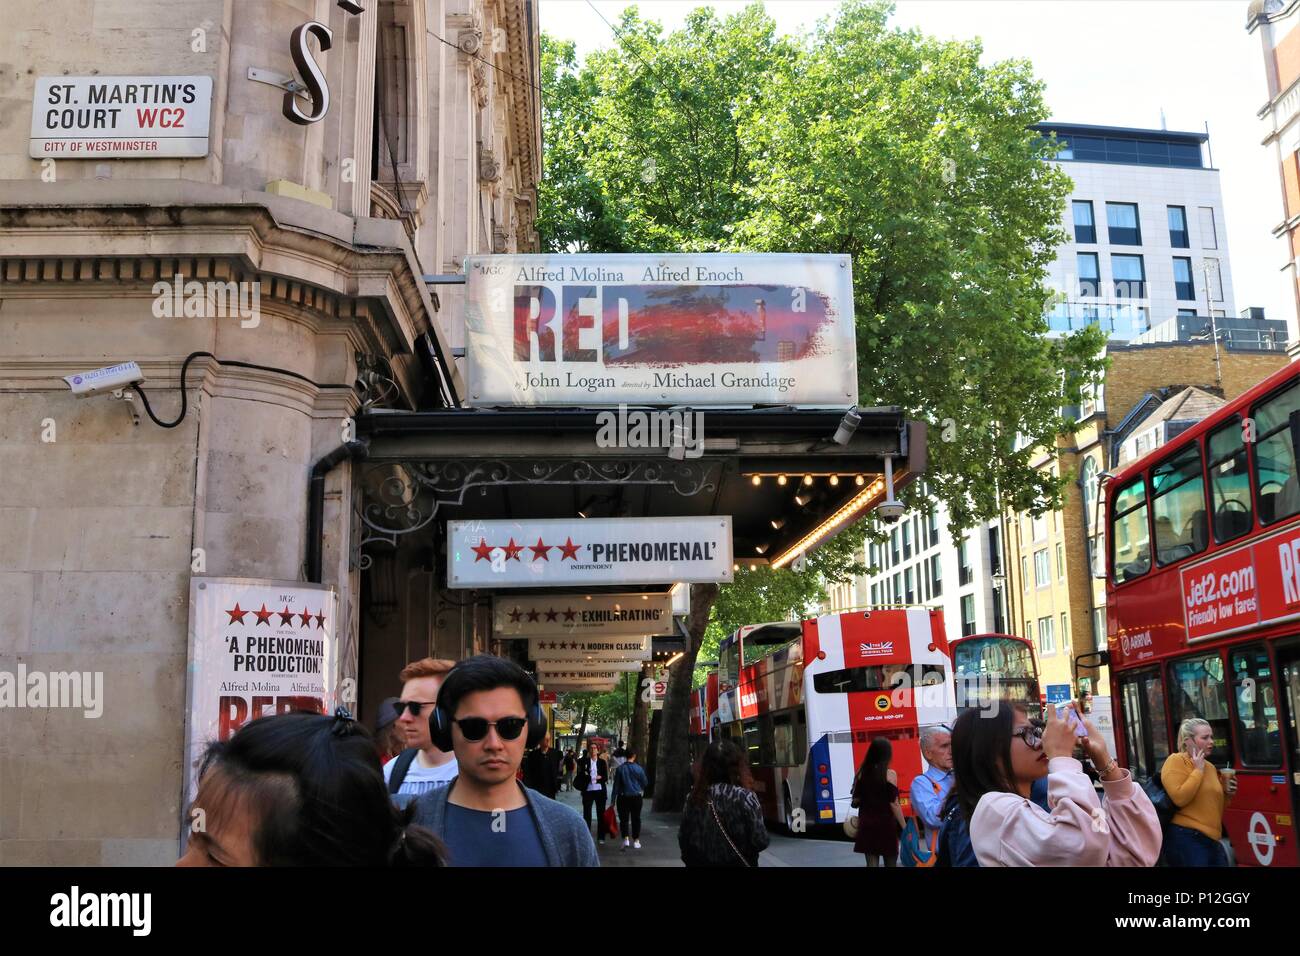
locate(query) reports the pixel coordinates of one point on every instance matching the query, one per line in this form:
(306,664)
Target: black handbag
(1160,799)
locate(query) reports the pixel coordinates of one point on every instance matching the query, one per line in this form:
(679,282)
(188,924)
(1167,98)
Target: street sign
(674,329)
(607,649)
(1058,693)
(582,616)
(106,117)
(563,551)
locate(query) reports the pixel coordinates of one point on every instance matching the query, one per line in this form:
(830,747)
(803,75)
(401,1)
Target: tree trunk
(673,771)
(639,738)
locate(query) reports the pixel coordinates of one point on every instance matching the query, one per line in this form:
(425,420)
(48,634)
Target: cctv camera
(85,384)
(890,511)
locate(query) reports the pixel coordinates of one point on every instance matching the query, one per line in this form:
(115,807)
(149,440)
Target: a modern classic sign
(594,649)
(566,551)
(582,615)
(105,117)
(661,329)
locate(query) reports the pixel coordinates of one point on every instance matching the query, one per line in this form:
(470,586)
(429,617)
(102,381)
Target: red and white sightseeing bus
(1203,607)
(805,699)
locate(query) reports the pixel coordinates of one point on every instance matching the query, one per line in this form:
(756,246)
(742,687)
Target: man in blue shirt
(930,789)
(486,708)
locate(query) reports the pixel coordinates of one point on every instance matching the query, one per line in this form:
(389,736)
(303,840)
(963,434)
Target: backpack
(954,841)
(404,760)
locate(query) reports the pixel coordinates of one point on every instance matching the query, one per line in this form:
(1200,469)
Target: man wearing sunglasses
(487,708)
(421,767)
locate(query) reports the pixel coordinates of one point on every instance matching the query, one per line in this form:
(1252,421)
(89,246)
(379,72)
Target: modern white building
(1145,227)
(921,564)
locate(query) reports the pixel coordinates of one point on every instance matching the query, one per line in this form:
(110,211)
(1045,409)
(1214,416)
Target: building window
(907,540)
(1178,228)
(898,588)
(871,554)
(1089,274)
(893,547)
(1024,573)
(934,530)
(1085,230)
(1129,275)
(936,574)
(1099,626)
(967,615)
(875,594)
(1039,527)
(1187,313)
(907,586)
(1042,573)
(1060,561)
(1122,221)
(1065,633)
(1046,639)
(1184,288)
(1209,235)
(965,573)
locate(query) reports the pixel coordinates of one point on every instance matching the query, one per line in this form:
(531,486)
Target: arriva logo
(880,647)
(1135,642)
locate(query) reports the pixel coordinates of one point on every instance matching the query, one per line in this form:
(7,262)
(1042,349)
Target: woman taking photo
(1199,790)
(998,757)
(875,795)
(723,821)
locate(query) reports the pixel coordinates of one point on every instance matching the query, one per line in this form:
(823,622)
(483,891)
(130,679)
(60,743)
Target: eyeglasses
(476,728)
(1031,736)
(415,706)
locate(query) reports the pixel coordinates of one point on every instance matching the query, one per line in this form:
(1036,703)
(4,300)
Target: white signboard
(107,117)
(545,667)
(256,648)
(585,687)
(566,551)
(675,329)
(578,678)
(594,649)
(582,615)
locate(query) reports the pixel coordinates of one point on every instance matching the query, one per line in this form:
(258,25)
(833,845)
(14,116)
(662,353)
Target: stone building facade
(430,151)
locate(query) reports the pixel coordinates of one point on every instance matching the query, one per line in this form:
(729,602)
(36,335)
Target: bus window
(800,736)
(1275,467)
(1229,482)
(1197,689)
(1131,554)
(1258,731)
(752,743)
(854,680)
(1178,503)
(1146,732)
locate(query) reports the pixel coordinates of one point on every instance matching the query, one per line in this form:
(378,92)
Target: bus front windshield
(988,668)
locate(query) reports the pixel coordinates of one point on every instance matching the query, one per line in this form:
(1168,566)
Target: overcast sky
(1107,62)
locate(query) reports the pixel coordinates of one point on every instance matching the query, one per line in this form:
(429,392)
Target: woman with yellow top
(1199,790)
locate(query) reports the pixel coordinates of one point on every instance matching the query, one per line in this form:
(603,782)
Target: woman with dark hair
(875,795)
(723,821)
(301,789)
(998,756)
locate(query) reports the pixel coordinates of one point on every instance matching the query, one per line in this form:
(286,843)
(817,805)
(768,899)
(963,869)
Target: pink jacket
(1008,830)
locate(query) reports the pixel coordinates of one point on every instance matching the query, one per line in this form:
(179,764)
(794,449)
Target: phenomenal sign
(661,329)
(105,117)
(256,648)
(588,551)
(596,649)
(583,615)
(1236,590)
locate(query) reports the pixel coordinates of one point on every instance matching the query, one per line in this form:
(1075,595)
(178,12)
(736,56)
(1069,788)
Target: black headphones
(440,722)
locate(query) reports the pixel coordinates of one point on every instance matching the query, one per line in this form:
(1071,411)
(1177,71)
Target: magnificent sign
(106,117)
(584,615)
(661,329)
(567,551)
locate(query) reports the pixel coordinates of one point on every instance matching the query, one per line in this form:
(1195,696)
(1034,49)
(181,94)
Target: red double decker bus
(1203,607)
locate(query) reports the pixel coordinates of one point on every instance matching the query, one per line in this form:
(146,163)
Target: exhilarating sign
(106,117)
(1251,586)
(591,649)
(583,615)
(256,648)
(671,329)
(564,551)
(547,668)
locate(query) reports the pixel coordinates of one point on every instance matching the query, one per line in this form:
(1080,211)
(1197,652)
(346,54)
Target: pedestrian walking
(389,737)
(1200,791)
(302,789)
(590,779)
(542,768)
(629,793)
(570,767)
(723,821)
(487,713)
(996,759)
(880,817)
(421,767)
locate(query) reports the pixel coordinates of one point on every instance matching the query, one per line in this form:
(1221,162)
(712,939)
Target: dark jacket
(542,770)
(701,837)
(583,776)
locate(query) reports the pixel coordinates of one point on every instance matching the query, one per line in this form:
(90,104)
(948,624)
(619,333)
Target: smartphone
(1067,713)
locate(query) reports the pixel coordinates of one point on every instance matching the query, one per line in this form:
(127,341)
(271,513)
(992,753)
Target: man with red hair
(421,767)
